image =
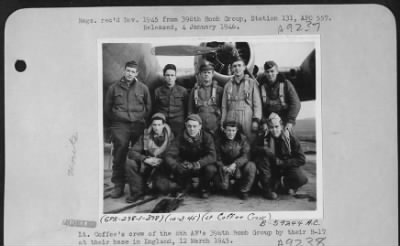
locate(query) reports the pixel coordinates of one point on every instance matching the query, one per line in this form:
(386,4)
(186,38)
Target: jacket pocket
(118,99)
(178,100)
(164,100)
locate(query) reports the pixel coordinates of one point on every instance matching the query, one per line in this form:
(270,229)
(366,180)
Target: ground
(217,202)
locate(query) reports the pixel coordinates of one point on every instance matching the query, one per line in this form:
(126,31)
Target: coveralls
(241,103)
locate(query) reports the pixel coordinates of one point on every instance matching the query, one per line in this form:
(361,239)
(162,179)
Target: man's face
(170,77)
(207,76)
(157,126)
(130,73)
(238,68)
(271,74)
(230,132)
(192,127)
(275,127)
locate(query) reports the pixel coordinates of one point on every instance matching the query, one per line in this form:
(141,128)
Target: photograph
(208,125)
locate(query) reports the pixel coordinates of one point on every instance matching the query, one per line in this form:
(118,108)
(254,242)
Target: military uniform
(280,97)
(172,102)
(241,103)
(235,151)
(199,150)
(205,100)
(268,151)
(127,106)
(149,145)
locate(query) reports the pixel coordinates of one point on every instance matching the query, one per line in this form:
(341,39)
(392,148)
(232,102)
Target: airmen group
(232,139)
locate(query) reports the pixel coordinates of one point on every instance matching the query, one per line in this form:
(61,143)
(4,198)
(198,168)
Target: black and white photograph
(208,125)
(250,124)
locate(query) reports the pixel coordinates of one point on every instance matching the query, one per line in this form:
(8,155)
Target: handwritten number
(298,242)
(320,241)
(318,25)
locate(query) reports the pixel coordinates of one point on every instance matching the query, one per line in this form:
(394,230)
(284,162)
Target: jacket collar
(235,79)
(192,139)
(166,131)
(125,84)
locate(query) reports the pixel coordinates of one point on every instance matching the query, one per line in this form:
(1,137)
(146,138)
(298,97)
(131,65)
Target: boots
(118,191)
(134,198)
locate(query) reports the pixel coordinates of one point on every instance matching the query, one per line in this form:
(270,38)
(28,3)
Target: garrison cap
(269,65)
(158,116)
(194,117)
(274,116)
(237,58)
(206,67)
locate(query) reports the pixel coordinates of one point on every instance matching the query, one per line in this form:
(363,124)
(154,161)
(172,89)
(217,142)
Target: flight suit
(241,103)
(205,100)
(172,102)
(234,151)
(127,106)
(268,151)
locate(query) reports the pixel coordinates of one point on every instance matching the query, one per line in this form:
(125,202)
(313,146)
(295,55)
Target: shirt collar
(240,79)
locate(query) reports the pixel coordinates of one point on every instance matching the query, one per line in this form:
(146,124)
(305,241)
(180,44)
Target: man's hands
(289,127)
(230,169)
(254,126)
(187,165)
(152,161)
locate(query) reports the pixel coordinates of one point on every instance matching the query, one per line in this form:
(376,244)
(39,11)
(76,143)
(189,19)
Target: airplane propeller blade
(182,50)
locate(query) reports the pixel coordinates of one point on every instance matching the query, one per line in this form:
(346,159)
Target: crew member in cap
(233,160)
(171,100)
(192,154)
(278,95)
(145,158)
(279,160)
(205,99)
(241,100)
(127,105)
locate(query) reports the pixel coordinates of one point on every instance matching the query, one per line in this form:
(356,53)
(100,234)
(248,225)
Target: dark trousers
(134,177)
(122,135)
(182,181)
(270,176)
(177,125)
(244,177)
(137,176)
